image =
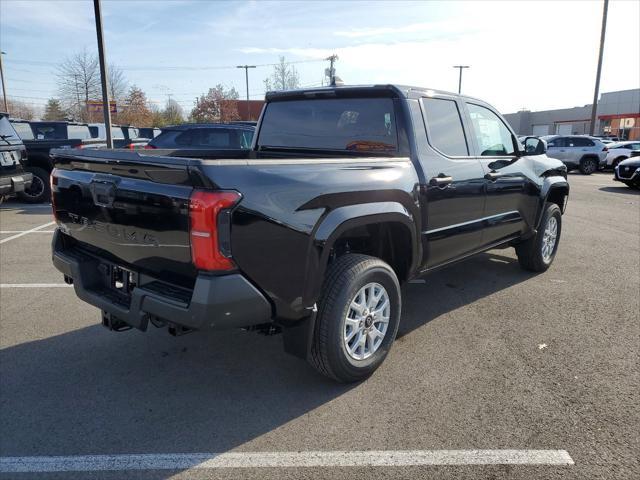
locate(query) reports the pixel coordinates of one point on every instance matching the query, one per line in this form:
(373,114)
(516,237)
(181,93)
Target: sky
(535,55)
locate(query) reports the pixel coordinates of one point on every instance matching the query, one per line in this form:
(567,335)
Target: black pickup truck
(13,178)
(39,138)
(347,193)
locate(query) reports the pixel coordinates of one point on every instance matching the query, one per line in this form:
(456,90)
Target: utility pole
(460,67)
(246,77)
(332,71)
(4,88)
(594,107)
(106,106)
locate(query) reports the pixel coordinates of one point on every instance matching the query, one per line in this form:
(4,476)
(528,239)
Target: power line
(166,67)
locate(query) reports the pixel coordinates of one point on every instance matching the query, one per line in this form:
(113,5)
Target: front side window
(445,126)
(365,125)
(492,135)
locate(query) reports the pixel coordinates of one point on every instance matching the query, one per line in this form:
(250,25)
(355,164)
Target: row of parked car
(27,165)
(589,154)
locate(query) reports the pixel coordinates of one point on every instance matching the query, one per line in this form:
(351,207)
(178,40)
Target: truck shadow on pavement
(90,391)
(621,189)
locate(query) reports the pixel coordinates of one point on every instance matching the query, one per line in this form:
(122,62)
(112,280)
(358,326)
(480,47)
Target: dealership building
(618,115)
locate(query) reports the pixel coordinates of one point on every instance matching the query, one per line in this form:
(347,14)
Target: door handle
(493,176)
(440,181)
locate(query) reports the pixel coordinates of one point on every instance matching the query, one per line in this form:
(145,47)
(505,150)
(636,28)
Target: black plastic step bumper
(11,184)
(216,302)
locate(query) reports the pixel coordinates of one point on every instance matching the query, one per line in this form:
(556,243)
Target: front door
(454,187)
(510,198)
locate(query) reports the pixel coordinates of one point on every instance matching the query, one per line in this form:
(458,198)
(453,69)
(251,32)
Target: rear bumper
(11,184)
(216,302)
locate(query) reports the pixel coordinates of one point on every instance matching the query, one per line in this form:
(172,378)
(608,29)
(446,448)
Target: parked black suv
(39,138)
(205,136)
(347,193)
(13,179)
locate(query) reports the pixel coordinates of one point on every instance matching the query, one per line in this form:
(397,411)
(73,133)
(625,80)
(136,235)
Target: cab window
(492,135)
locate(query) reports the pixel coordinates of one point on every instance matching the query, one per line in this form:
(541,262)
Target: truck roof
(394,90)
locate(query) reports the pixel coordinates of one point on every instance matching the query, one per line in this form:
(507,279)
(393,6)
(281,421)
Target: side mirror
(534,146)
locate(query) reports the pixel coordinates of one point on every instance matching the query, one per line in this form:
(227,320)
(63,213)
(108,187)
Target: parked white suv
(577,152)
(621,151)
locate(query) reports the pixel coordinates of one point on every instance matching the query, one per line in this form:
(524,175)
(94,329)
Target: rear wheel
(588,166)
(537,253)
(358,318)
(39,191)
(615,163)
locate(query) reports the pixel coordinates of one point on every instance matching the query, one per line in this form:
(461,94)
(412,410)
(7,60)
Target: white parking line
(34,285)
(13,237)
(182,461)
(26,231)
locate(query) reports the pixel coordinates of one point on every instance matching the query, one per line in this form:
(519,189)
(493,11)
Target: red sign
(95,106)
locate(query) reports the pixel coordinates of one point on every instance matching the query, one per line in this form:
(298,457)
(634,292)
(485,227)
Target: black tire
(588,166)
(345,278)
(40,189)
(530,252)
(615,163)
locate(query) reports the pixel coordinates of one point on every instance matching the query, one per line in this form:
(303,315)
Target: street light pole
(460,67)
(4,88)
(103,73)
(246,76)
(594,107)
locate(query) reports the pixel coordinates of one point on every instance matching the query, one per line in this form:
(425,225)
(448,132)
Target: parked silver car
(577,152)
(620,151)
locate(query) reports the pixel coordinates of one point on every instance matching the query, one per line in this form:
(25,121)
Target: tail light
(131,146)
(149,147)
(210,229)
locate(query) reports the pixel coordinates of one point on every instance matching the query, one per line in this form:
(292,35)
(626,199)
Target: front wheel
(537,253)
(358,318)
(588,166)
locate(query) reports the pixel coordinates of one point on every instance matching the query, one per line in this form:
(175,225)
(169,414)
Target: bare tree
(118,84)
(136,110)
(172,113)
(283,77)
(79,82)
(19,109)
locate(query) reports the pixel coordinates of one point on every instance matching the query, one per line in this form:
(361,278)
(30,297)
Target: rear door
(455,186)
(508,202)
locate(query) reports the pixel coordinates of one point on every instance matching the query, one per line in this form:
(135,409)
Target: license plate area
(122,281)
(117,283)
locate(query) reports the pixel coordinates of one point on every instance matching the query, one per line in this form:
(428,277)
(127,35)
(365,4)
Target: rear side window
(23,129)
(49,131)
(492,135)
(213,138)
(582,142)
(78,132)
(445,126)
(246,137)
(347,124)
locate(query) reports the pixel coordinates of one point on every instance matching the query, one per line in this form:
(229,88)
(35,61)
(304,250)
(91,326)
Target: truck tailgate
(131,210)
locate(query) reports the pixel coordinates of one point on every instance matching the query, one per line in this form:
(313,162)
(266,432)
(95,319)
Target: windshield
(6,130)
(349,124)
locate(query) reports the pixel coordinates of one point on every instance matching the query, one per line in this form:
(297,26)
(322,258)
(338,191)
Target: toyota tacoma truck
(346,194)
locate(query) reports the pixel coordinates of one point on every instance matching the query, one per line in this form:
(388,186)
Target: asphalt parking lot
(488,357)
